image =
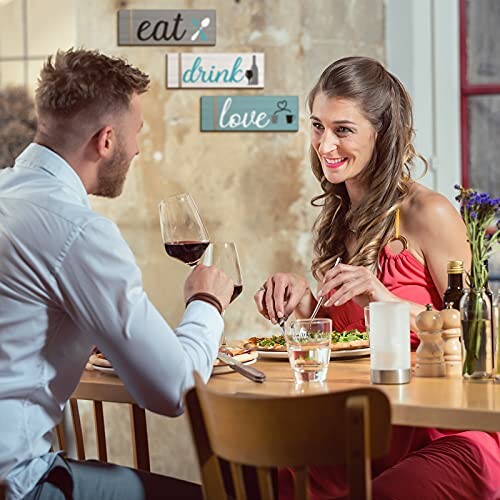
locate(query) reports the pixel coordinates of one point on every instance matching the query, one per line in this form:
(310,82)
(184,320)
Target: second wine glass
(184,234)
(224,255)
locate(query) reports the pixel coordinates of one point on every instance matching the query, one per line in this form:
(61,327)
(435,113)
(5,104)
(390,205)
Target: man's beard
(112,174)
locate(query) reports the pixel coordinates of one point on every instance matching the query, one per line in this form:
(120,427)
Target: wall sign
(194,70)
(166,27)
(249,113)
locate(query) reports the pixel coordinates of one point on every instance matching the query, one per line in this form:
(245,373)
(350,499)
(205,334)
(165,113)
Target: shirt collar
(37,156)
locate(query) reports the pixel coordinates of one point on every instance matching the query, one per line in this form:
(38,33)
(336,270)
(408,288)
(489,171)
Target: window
(30,30)
(480,94)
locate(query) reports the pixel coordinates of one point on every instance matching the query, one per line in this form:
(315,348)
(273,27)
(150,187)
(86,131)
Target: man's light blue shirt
(69,281)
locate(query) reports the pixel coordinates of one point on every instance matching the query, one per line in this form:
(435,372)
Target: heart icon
(282,105)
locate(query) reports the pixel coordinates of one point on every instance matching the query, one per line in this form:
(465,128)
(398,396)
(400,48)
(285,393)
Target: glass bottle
(496,344)
(455,290)
(475,316)
(489,293)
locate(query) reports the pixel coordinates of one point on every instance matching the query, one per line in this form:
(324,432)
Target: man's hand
(209,279)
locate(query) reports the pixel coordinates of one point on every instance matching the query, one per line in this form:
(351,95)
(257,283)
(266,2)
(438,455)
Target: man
(69,281)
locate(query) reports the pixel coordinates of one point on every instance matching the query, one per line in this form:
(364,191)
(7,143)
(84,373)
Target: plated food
(341,341)
(243,355)
(99,360)
(99,363)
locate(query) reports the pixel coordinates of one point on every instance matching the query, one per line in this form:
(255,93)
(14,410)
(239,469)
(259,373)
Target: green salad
(348,336)
(272,341)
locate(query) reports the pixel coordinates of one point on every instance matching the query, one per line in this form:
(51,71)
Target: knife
(281,323)
(247,371)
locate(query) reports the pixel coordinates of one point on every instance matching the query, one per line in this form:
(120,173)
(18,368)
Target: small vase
(496,337)
(475,315)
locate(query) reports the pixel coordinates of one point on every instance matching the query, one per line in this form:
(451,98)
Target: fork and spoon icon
(201,26)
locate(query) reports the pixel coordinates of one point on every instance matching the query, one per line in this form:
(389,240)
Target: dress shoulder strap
(397,235)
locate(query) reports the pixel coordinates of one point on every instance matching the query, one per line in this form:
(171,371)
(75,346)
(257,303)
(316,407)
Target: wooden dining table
(450,403)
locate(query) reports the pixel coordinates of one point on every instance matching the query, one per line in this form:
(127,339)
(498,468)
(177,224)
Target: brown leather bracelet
(208,298)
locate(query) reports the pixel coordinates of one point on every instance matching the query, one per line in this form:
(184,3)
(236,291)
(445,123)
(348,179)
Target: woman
(394,237)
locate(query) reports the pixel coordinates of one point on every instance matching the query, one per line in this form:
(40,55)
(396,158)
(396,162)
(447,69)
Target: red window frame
(467,90)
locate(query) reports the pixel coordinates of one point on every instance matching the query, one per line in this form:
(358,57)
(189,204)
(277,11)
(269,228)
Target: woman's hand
(353,282)
(281,294)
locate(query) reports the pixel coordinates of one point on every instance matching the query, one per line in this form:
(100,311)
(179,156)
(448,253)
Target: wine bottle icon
(252,73)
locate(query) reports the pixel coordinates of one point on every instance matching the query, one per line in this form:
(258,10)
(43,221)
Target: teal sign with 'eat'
(249,113)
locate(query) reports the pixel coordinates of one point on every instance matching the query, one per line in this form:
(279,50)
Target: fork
(320,301)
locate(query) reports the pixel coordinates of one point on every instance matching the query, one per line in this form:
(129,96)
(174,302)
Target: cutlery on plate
(247,371)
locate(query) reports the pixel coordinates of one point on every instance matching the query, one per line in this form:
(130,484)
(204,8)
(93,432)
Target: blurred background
(255,188)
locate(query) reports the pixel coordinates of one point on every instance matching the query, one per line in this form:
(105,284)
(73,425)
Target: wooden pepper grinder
(451,337)
(430,353)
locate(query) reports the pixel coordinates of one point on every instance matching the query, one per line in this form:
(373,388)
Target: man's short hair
(85,80)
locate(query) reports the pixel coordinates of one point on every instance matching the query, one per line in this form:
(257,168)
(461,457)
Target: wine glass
(184,234)
(249,75)
(225,256)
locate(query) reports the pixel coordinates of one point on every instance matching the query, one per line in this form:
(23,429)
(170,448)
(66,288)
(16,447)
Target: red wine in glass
(236,292)
(189,252)
(184,235)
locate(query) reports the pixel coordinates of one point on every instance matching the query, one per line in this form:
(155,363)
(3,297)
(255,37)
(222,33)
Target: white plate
(347,353)
(217,370)
(103,369)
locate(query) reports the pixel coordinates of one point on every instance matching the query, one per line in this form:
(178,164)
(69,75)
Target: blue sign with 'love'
(249,114)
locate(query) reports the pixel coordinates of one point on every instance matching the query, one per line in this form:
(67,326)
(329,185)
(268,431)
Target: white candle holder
(390,358)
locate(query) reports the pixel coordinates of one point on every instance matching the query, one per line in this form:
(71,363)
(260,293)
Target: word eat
(160,30)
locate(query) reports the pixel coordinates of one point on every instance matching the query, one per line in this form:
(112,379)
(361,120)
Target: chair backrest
(138,429)
(3,491)
(345,427)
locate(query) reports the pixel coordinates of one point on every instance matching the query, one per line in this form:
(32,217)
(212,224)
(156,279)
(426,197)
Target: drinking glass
(224,255)
(366,311)
(184,234)
(308,345)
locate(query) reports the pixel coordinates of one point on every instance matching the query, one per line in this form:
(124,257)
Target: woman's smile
(334,162)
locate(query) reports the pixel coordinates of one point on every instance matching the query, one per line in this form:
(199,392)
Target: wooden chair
(139,432)
(347,427)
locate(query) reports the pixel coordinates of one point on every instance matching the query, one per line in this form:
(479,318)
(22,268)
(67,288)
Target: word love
(166,27)
(249,113)
(224,70)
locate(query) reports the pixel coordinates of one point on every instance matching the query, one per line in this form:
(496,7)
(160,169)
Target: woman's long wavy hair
(384,101)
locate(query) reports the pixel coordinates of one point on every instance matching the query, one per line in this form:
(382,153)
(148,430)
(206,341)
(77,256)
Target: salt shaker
(430,352)
(451,337)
